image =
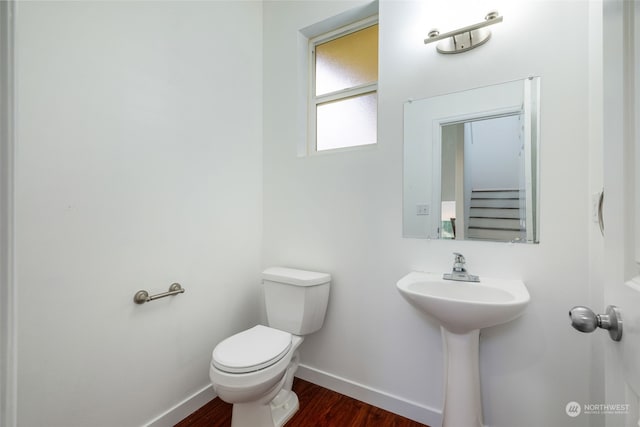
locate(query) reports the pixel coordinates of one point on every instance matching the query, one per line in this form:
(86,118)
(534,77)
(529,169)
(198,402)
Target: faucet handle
(459,258)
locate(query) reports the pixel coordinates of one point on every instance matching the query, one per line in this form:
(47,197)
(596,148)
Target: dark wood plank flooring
(319,407)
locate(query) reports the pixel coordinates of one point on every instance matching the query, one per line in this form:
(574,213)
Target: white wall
(342,213)
(138,164)
(494,151)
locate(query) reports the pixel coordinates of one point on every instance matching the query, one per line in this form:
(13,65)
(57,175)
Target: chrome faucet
(459,271)
(458,263)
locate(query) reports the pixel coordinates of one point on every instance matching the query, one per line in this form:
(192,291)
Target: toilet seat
(251,350)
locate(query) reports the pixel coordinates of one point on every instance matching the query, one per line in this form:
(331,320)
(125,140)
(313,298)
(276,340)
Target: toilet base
(283,407)
(274,414)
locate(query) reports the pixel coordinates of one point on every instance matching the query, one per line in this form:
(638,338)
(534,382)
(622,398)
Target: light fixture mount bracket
(466,38)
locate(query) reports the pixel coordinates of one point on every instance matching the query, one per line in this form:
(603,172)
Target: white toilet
(254,369)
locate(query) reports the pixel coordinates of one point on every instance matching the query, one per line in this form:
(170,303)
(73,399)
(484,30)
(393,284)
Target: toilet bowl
(254,369)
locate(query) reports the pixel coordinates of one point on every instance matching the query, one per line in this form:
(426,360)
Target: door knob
(585,320)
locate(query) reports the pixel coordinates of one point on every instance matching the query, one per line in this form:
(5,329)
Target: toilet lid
(251,350)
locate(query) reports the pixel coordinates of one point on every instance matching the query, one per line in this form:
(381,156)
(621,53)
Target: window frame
(342,94)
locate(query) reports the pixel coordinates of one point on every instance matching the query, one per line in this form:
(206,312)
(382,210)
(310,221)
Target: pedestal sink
(463,308)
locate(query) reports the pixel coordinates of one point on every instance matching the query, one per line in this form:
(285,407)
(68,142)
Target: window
(343,106)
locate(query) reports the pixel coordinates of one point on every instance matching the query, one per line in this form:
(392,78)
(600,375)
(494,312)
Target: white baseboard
(183,409)
(389,402)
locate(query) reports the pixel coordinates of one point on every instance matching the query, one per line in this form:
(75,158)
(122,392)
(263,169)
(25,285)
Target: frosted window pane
(348,61)
(348,122)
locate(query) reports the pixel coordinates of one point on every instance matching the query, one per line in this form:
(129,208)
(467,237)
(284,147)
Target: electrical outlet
(422,209)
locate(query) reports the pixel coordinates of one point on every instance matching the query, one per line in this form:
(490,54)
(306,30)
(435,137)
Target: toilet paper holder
(143,296)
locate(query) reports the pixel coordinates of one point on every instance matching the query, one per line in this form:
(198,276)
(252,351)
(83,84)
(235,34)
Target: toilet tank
(296,300)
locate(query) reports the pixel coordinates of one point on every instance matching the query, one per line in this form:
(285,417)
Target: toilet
(254,369)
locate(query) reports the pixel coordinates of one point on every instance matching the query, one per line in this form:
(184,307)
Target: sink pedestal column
(462,404)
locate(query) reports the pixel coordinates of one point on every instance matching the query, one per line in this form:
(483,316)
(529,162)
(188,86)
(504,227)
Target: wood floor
(319,407)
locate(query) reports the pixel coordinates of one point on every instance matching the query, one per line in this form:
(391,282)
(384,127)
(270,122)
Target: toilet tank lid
(293,276)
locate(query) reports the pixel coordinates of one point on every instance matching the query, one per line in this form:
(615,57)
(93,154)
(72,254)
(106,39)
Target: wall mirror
(471,164)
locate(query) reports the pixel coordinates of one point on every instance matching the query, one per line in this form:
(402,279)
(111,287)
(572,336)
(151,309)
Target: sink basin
(462,307)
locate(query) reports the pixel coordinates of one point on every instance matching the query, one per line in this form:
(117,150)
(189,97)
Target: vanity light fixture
(466,38)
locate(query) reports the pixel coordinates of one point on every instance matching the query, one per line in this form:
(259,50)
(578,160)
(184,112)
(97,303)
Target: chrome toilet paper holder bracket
(143,296)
